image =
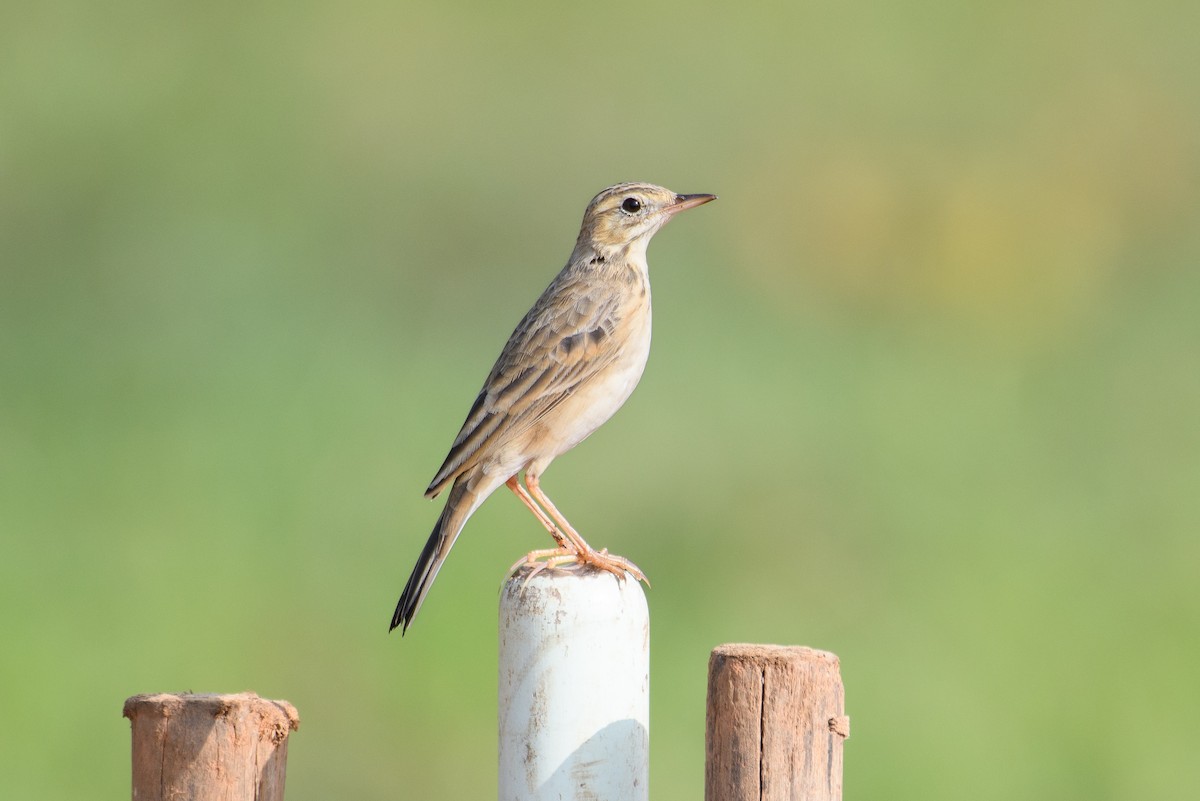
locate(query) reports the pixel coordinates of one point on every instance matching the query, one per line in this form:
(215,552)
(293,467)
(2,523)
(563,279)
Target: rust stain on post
(775,724)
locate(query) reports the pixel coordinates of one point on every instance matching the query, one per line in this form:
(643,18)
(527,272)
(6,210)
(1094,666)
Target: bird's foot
(617,565)
(550,558)
(542,559)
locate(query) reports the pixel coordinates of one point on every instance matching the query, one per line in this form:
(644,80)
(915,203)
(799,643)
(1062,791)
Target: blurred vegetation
(924,392)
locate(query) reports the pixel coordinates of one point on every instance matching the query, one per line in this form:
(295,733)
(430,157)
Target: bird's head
(622,218)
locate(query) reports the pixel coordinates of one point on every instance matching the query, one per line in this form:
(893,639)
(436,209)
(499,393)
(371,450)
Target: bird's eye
(632,205)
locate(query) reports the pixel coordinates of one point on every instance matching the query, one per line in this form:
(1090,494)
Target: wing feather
(554,349)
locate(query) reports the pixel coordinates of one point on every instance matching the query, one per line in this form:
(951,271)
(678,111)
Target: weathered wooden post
(209,747)
(574,687)
(775,724)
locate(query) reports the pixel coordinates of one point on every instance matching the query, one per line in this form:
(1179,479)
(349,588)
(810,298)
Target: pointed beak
(685,202)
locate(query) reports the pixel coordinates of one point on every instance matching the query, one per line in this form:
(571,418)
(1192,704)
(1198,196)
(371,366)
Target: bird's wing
(572,333)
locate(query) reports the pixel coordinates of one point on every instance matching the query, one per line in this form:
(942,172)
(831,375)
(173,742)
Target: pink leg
(617,565)
(515,485)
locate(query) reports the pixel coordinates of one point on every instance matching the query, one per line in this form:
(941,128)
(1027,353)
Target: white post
(574,687)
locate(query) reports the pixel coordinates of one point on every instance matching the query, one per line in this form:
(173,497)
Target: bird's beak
(685,202)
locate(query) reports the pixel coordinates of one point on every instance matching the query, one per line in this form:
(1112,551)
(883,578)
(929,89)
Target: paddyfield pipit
(569,365)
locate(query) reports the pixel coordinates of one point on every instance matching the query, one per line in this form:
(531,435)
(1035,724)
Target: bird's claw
(550,558)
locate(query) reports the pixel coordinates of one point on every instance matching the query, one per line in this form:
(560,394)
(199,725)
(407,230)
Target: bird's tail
(461,502)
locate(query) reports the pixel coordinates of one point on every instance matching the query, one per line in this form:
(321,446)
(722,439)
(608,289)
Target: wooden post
(574,687)
(209,747)
(775,724)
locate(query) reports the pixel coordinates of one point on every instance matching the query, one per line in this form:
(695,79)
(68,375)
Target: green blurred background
(925,389)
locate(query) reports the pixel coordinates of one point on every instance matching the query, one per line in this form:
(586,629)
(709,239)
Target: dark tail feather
(459,506)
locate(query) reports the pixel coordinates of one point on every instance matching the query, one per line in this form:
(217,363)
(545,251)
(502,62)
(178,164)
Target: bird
(571,362)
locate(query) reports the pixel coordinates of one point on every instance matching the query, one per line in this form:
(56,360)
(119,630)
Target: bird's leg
(583,553)
(552,556)
(567,529)
(515,485)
